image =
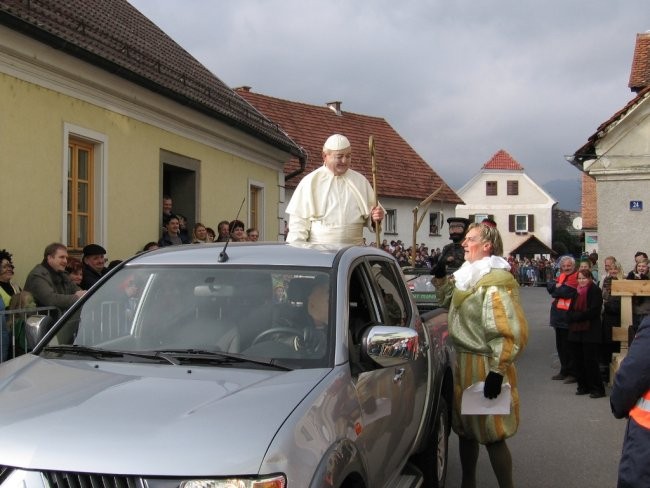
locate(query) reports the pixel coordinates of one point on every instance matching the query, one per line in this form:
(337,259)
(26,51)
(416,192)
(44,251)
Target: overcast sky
(458,79)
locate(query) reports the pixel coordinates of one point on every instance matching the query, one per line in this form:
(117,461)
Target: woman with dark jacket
(585,335)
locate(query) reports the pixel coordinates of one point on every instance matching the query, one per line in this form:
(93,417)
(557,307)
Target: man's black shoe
(596,394)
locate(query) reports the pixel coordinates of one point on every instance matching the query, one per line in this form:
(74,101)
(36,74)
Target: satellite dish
(577,223)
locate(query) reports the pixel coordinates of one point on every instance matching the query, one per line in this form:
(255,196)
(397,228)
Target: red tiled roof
(401,172)
(114,36)
(640,73)
(503,160)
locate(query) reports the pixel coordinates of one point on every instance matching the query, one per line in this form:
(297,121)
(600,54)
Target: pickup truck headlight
(270,482)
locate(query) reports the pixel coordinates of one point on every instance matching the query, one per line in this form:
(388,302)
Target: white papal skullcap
(336,142)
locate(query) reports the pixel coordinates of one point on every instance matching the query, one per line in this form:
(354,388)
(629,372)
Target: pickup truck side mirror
(390,346)
(36,327)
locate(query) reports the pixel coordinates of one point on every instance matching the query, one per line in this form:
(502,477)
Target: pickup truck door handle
(399,372)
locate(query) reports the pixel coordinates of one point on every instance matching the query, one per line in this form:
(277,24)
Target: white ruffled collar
(469,273)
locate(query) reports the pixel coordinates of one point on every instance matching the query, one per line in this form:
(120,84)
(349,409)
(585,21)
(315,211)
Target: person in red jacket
(630,397)
(562,291)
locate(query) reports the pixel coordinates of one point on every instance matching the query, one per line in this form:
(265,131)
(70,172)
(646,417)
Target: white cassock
(330,209)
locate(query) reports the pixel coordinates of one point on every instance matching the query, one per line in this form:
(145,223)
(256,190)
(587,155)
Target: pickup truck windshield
(281,316)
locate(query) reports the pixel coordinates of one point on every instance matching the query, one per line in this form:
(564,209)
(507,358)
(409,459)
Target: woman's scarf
(581,299)
(580,306)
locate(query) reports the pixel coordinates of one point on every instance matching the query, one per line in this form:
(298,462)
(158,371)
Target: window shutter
(471,218)
(531,223)
(491,216)
(511,223)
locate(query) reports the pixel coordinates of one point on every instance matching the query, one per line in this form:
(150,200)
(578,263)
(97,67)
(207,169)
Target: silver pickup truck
(263,366)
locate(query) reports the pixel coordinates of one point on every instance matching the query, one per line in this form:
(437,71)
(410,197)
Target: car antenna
(223,256)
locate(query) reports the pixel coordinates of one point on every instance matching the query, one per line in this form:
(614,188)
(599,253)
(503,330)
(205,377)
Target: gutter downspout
(302,160)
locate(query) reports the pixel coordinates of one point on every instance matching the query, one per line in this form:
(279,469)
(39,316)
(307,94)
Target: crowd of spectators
(527,271)
(175,230)
(584,338)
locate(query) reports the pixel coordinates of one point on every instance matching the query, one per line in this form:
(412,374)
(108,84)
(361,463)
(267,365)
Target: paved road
(564,440)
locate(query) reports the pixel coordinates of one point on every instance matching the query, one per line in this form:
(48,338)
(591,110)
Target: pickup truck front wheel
(432,461)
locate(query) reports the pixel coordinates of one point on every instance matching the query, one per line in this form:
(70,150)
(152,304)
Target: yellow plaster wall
(32,122)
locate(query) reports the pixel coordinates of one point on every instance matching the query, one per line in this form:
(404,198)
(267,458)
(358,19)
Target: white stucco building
(502,191)
(617,157)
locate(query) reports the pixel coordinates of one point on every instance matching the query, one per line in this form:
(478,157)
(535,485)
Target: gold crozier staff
(371,145)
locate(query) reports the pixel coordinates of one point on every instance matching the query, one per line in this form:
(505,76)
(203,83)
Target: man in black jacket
(94,259)
(562,291)
(452,256)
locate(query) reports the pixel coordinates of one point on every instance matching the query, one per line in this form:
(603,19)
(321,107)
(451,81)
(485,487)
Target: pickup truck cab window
(392,297)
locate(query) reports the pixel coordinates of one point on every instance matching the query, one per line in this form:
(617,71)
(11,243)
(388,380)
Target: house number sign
(636,205)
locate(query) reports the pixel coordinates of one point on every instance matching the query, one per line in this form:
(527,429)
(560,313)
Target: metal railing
(14,320)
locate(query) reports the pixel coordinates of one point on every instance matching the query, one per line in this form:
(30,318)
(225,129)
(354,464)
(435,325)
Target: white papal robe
(330,209)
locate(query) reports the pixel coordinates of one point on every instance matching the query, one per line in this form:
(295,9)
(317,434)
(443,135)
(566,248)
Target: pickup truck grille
(58,479)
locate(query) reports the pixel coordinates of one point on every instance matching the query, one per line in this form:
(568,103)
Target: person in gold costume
(489,330)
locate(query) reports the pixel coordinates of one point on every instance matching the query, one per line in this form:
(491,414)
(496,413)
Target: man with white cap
(334,203)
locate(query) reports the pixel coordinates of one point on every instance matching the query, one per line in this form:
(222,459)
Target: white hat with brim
(336,142)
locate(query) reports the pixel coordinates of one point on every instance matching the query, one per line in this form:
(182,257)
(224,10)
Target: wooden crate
(626,289)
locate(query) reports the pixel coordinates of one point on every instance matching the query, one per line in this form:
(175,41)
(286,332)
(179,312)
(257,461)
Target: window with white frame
(521,223)
(390,221)
(435,223)
(478,218)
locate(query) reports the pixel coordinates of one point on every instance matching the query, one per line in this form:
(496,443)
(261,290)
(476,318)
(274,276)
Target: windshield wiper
(220,357)
(98,353)
(84,351)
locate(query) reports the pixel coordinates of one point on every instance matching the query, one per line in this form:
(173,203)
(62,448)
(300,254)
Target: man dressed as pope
(334,203)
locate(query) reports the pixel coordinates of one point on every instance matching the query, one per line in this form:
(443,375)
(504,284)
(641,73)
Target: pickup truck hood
(143,419)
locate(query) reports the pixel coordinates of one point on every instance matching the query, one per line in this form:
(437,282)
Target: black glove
(439,270)
(492,386)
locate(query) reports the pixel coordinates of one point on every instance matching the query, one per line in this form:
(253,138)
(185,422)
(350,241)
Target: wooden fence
(626,289)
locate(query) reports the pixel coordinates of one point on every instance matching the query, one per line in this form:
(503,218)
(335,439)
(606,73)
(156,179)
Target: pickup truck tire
(432,461)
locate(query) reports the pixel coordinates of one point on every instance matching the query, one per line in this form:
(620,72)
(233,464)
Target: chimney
(244,88)
(640,73)
(335,107)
